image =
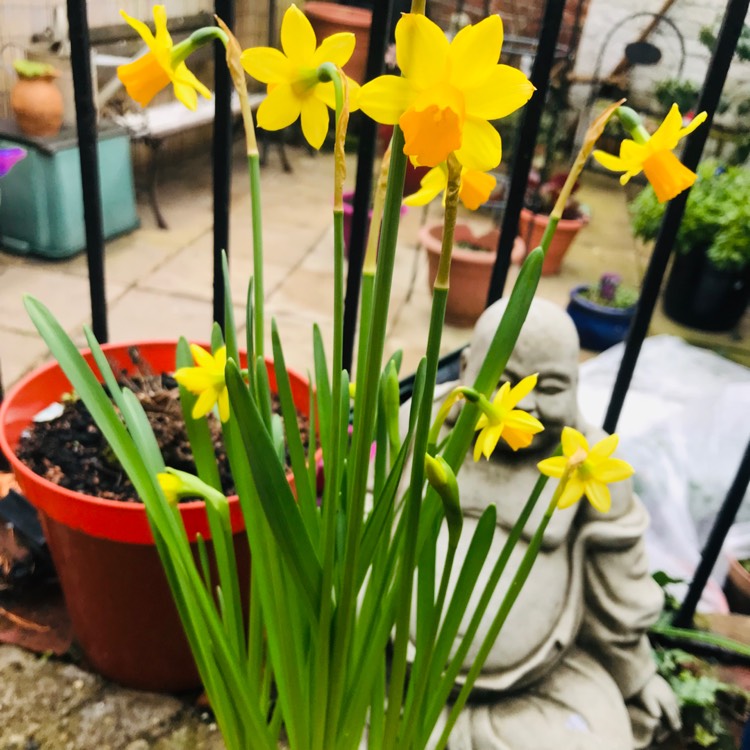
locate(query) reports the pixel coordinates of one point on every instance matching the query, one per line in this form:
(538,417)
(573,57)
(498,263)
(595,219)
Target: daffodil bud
(443,481)
(176,484)
(392,401)
(632,122)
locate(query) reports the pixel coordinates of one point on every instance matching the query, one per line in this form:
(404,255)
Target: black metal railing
(735,13)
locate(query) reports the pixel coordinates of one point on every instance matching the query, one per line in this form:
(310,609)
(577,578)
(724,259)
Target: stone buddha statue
(572,668)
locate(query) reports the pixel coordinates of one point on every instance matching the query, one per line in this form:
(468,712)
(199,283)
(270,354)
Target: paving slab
(50,705)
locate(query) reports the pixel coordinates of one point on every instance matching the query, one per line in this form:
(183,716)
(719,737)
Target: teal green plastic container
(41,200)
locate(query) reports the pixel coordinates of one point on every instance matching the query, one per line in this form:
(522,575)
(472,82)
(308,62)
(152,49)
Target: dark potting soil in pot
(71,451)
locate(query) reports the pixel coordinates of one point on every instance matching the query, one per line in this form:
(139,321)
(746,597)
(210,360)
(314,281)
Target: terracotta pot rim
(128,511)
(433,245)
(543,220)
(335,13)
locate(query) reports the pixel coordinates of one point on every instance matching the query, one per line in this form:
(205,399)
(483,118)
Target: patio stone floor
(159,283)
(159,286)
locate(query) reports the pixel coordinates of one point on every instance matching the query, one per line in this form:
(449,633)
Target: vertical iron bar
(80,61)
(222,156)
(525,141)
(381,15)
(712,87)
(724,520)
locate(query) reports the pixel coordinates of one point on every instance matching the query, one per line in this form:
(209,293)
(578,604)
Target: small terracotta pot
(115,589)
(37,105)
(330,18)
(471,270)
(531,227)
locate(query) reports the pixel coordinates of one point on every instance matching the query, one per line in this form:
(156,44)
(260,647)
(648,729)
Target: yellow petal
(476,188)
(501,396)
(204,403)
(604,448)
(553,467)
(483,421)
(481,147)
(267,65)
(521,420)
(612,470)
(220,359)
(431,185)
(572,440)
(698,120)
(598,495)
(474,52)
(421,50)
(610,161)
(201,357)
(667,175)
(492,434)
(572,493)
(503,91)
(279,109)
(314,121)
(384,99)
(142,29)
(161,37)
(522,389)
(186,77)
(224,405)
(297,37)
(337,49)
(195,379)
(478,444)
(667,135)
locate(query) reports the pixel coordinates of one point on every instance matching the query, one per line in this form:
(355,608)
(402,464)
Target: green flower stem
(199,38)
(327,713)
(514,589)
(364,425)
(253,166)
(414,498)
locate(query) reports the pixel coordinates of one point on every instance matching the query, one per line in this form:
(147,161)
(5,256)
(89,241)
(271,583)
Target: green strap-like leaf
(276,497)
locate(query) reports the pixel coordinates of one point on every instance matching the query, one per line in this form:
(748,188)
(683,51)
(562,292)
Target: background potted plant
(35,99)
(602,312)
(540,199)
(709,284)
(471,268)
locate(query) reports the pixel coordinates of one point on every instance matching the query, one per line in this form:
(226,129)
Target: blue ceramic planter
(599,327)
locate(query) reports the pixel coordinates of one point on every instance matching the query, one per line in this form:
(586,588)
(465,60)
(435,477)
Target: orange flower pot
(115,590)
(471,270)
(531,227)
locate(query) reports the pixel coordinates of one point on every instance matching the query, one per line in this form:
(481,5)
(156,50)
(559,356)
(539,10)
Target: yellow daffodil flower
(593,469)
(148,75)
(448,92)
(667,175)
(206,381)
(475,188)
(502,419)
(294,89)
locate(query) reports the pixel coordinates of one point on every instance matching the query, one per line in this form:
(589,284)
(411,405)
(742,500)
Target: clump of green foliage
(611,292)
(717,216)
(706,702)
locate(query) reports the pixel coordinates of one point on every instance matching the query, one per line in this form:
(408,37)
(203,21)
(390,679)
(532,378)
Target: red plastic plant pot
(115,590)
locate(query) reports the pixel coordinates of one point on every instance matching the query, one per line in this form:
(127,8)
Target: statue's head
(548,345)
